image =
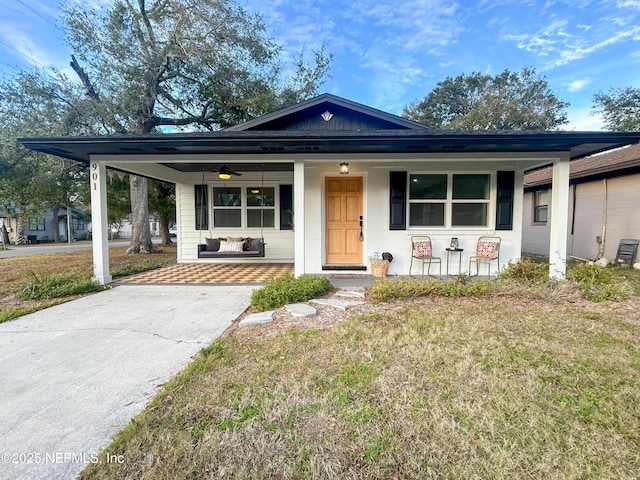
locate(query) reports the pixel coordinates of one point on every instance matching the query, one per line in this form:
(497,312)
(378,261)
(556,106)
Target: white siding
(279,243)
(378,237)
(589,217)
(622,218)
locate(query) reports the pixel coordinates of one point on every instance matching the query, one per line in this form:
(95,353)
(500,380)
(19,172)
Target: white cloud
(578,84)
(583,120)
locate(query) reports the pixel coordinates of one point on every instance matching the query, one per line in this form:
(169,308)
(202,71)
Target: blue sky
(388,53)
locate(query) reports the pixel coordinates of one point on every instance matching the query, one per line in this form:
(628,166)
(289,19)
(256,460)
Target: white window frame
(449,201)
(244,207)
(537,206)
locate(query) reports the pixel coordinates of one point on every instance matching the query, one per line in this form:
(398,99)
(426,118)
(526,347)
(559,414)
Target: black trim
(286,207)
(504,205)
(397,200)
(201,207)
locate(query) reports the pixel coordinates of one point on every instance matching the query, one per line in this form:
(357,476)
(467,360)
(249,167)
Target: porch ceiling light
(344,168)
(224,176)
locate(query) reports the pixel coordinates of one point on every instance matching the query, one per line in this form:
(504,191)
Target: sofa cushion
(213,244)
(226,246)
(255,244)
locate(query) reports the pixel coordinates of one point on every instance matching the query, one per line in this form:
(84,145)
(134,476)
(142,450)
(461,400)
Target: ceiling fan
(225,173)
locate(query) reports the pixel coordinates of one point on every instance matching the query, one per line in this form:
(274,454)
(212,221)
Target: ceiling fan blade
(238,174)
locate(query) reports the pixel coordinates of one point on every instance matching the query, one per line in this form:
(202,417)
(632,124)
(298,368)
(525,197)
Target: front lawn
(502,385)
(77,266)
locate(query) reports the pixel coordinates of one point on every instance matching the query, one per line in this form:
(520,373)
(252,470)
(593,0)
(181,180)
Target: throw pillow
(234,239)
(423,249)
(246,246)
(226,246)
(486,249)
(212,244)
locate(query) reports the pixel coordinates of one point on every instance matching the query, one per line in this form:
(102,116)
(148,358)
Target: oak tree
(507,101)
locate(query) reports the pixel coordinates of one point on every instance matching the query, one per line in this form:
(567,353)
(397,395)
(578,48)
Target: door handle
(361,235)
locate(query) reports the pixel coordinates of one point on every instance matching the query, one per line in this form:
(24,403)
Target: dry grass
(501,387)
(15,271)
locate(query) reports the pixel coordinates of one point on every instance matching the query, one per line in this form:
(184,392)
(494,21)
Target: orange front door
(344,208)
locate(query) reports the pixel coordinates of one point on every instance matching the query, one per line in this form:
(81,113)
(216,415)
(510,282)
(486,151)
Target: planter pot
(379,268)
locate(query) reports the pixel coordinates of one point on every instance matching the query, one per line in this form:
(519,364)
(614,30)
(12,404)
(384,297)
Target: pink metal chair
(422,249)
(487,250)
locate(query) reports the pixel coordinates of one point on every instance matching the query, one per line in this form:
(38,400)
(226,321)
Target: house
(603,205)
(40,228)
(283,177)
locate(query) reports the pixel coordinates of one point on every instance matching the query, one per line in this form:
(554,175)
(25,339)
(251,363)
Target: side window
(540,206)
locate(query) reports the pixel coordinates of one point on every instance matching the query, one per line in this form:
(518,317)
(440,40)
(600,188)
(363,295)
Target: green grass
(436,387)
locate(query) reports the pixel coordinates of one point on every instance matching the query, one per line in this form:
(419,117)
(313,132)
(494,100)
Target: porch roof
(292,142)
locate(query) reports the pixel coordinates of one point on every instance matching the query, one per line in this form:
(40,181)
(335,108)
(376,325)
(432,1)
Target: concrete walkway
(73,375)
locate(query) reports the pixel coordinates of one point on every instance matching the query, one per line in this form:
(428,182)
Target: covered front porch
(281,177)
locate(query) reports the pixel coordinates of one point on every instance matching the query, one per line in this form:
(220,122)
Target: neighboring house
(603,205)
(40,228)
(403,179)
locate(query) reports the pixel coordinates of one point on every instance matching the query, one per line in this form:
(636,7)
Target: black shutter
(504,206)
(286,207)
(397,200)
(202,207)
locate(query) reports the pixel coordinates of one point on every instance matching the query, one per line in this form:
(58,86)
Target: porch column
(298,211)
(559,219)
(99,222)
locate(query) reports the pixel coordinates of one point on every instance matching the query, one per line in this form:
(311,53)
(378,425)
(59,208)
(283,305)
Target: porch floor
(191,273)
(258,273)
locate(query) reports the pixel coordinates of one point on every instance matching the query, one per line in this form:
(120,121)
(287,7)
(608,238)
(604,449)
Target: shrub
(131,269)
(388,290)
(45,286)
(289,289)
(597,285)
(526,271)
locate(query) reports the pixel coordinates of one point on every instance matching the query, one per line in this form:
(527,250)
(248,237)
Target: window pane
(471,187)
(431,214)
(226,196)
(428,187)
(253,217)
(223,217)
(540,214)
(255,195)
(469,214)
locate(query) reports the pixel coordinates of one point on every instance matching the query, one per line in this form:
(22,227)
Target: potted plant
(380,263)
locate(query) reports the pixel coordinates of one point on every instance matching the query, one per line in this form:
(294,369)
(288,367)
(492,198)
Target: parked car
(173,231)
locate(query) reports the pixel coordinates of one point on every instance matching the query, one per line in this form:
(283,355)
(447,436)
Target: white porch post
(298,210)
(99,222)
(559,219)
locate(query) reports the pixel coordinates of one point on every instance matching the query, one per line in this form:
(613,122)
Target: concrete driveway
(74,374)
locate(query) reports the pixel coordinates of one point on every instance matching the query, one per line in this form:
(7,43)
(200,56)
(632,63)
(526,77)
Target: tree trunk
(140,231)
(164,230)
(56,225)
(20,227)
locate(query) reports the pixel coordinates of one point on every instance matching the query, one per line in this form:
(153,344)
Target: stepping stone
(340,304)
(301,310)
(257,318)
(355,292)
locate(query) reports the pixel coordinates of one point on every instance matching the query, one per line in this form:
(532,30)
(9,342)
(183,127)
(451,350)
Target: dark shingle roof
(617,162)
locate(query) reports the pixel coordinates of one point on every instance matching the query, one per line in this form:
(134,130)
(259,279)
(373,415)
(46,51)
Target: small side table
(459,252)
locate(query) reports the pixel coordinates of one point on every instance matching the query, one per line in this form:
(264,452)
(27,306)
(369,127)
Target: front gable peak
(328,112)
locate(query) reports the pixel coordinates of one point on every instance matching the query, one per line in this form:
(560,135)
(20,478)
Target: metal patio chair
(487,250)
(422,250)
